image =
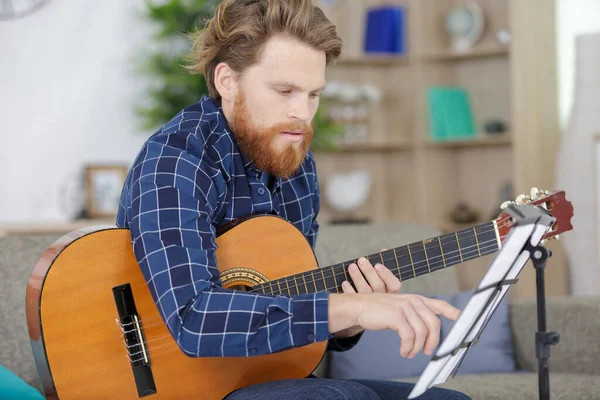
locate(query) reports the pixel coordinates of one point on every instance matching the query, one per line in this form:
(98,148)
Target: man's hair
(239,29)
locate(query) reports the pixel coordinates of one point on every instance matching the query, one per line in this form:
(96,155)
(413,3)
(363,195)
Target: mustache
(298,126)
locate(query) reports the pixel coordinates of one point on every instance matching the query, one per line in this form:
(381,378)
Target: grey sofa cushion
(524,385)
(18,256)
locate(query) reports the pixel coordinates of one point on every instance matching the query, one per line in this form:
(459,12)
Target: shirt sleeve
(173,202)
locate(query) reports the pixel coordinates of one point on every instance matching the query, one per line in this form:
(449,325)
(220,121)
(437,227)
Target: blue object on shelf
(385,30)
(450,115)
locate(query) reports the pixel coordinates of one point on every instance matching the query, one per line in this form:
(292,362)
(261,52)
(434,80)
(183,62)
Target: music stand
(530,223)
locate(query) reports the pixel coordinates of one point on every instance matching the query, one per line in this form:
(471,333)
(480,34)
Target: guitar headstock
(554,202)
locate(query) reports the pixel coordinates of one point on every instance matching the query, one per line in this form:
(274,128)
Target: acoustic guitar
(96,332)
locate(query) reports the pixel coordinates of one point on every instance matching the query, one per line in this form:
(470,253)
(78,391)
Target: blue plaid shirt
(188,180)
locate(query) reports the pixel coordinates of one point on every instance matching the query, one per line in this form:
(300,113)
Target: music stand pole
(543,339)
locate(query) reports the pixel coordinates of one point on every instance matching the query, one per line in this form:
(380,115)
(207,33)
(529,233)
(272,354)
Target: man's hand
(414,317)
(379,279)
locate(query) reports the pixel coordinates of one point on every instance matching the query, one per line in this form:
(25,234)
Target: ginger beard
(265,146)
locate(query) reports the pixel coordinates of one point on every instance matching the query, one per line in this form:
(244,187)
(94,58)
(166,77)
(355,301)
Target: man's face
(276,101)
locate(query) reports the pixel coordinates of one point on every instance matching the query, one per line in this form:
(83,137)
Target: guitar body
(78,343)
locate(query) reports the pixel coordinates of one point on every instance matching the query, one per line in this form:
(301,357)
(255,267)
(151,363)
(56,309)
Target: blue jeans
(337,389)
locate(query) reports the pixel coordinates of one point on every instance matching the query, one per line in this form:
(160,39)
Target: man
(244,149)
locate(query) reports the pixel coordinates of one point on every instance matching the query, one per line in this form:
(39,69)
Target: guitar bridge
(134,340)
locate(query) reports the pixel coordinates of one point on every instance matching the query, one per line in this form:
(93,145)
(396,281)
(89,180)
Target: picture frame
(104,184)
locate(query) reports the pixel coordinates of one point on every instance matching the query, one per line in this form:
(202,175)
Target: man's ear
(226,82)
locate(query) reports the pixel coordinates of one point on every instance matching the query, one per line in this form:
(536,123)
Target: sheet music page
(507,264)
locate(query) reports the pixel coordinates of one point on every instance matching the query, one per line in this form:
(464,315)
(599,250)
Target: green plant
(172,86)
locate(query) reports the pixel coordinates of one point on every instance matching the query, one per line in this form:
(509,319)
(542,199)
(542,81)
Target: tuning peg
(522,199)
(535,194)
(505,205)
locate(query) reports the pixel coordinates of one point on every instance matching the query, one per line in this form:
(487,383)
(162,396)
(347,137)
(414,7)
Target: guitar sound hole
(243,288)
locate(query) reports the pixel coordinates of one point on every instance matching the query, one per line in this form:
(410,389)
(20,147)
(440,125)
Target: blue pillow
(12,387)
(494,351)
(377,354)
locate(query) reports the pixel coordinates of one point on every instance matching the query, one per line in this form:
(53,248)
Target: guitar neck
(405,262)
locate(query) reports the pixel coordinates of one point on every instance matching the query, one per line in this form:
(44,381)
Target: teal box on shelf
(450,115)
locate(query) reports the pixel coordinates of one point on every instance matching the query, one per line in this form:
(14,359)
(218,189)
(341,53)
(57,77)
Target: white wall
(66,92)
(573,17)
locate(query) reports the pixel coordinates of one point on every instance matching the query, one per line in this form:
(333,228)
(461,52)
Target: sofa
(574,371)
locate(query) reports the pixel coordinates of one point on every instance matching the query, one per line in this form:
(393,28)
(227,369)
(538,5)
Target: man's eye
(315,95)
(285,91)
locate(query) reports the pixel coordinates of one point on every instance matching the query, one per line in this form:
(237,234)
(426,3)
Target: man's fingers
(392,284)
(406,333)
(442,307)
(418,326)
(373,278)
(433,325)
(347,287)
(358,279)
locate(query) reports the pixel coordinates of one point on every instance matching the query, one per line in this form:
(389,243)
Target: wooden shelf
(374,59)
(51,227)
(512,83)
(477,52)
(373,146)
(501,140)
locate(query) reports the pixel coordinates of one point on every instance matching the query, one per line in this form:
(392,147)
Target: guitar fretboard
(406,262)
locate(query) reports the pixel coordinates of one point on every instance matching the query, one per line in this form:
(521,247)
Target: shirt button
(311,336)
(261,191)
(252,351)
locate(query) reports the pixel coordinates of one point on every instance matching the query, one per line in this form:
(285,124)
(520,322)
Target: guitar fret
(477,242)
(488,240)
(345,272)
(442,251)
(305,286)
(468,244)
(296,285)
(397,265)
(324,281)
(334,278)
(314,280)
(279,284)
(458,244)
(411,259)
(288,287)
(426,257)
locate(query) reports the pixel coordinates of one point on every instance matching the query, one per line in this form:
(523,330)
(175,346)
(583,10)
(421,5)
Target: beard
(264,146)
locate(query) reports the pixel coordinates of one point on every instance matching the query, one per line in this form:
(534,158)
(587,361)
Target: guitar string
(419,265)
(394,256)
(484,248)
(152,350)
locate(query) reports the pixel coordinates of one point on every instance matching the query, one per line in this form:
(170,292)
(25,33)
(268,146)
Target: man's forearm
(344,310)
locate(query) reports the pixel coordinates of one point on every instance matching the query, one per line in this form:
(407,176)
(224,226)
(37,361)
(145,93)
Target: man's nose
(300,109)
